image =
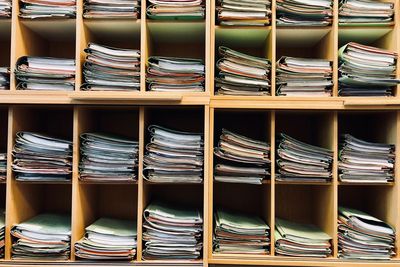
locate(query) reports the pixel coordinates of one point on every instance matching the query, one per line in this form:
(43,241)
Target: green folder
(116,227)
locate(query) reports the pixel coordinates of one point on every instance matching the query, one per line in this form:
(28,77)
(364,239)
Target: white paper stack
(111,9)
(37,9)
(3,166)
(365,12)
(2,231)
(5,8)
(244,12)
(176,10)
(4,78)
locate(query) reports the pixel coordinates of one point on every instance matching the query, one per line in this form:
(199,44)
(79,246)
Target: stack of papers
(301,240)
(303,77)
(243,160)
(3,166)
(172,233)
(5,8)
(301,162)
(241,74)
(365,162)
(2,231)
(44,73)
(111,69)
(108,158)
(304,13)
(35,9)
(109,9)
(176,10)
(237,233)
(173,156)
(43,237)
(365,12)
(366,71)
(244,12)
(4,78)
(170,74)
(108,239)
(39,157)
(364,237)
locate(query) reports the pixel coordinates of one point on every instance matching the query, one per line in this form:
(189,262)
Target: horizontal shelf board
(49,29)
(366,184)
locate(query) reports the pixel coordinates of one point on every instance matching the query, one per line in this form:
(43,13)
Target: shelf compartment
(5,42)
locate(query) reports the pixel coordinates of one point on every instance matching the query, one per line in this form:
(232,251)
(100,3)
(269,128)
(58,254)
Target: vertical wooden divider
(141,200)
(207,227)
(143,46)
(272,223)
(10,209)
(273,47)
(335,179)
(210,182)
(397,183)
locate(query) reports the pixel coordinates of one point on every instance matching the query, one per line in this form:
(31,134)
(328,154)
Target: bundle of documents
(173,156)
(365,12)
(304,13)
(111,69)
(241,74)
(39,157)
(43,237)
(303,77)
(108,158)
(364,237)
(109,9)
(176,10)
(5,8)
(35,9)
(237,233)
(2,231)
(172,233)
(4,78)
(366,71)
(108,239)
(171,74)
(244,12)
(301,240)
(243,160)
(365,162)
(3,166)
(44,73)
(301,162)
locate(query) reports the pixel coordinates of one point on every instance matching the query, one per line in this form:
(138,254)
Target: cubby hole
(3,129)
(5,42)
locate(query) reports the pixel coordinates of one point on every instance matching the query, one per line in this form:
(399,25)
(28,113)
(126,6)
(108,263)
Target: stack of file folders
(364,237)
(172,233)
(108,239)
(111,69)
(5,8)
(4,78)
(365,12)
(303,77)
(42,73)
(2,232)
(366,71)
(170,74)
(3,166)
(301,162)
(243,160)
(108,158)
(35,9)
(237,233)
(173,156)
(365,162)
(244,12)
(241,74)
(108,9)
(301,240)
(39,157)
(176,10)
(304,13)
(45,236)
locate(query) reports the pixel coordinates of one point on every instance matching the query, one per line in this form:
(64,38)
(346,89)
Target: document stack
(108,239)
(176,10)
(168,74)
(41,158)
(301,162)
(365,12)
(172,233)
(173,156)
(304,13)
(3,166)
(241,74)
(109,9)
(111,69)
(366,71)
(43,237)
(303,77)
(364,237)
(108,158)
(301,240)
(237,233)
(5,8)
(43,73)
(2,231)
(35,9)
(365,162)
(243,160)
(244,12)
(4,78)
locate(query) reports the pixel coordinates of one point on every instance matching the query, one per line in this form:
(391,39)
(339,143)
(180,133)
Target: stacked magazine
(176,10)
(244,12)
(4,78)
(35,9)
(109,9)
(3,166)
(365,12)
(5,8)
